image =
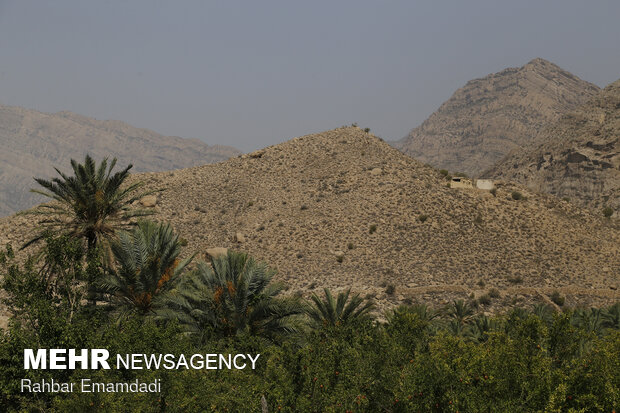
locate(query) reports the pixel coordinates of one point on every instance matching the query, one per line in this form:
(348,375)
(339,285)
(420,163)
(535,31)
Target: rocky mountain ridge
(33,143)
(488,117)
(577,158)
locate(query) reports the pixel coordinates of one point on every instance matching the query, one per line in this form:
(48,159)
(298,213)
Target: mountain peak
(488,117)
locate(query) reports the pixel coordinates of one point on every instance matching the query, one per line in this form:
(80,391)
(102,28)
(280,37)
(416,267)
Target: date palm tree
(480,327)
(460,311)
(591,320)
(91,204)
(612,317)
(234,296)
(146,266)
(338,312)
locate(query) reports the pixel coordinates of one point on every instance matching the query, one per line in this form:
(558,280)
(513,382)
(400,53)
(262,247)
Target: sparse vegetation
(372,229)
(494,293)
(516,195)
(350,246)
(422,218)
(390,290)
(493,192)
(608,212)
(484,299)
(557,298)
(515,279)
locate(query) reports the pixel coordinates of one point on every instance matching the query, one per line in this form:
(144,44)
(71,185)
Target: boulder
(239,237)
(215,252)
(149,201)
(376,171)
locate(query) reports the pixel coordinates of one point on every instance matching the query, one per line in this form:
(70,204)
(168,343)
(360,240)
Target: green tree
(92,204)
(612,317)
(460,311)
(234,297)
(146,265)
(341,311)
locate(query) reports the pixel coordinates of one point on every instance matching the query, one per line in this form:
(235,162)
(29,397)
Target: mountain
(33,142)
(489,117)
(344,209)
(577,158)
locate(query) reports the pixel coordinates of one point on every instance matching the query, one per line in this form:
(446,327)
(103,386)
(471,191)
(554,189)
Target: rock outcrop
(578,158)
(487,118)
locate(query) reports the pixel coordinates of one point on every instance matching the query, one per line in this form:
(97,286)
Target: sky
(255,73)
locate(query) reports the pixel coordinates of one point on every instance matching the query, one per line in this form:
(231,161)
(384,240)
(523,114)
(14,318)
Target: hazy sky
(255,73)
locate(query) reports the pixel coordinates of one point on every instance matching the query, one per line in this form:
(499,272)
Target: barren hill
(301,204)
(491,116)
(33,142)
(577,158)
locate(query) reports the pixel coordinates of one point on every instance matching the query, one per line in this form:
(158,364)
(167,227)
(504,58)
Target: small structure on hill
(461,182)
(486,184)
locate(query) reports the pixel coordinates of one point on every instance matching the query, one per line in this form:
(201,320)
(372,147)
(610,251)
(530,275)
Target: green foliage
(234,297)
(91,204)
(146,267)
(341,311)
(557,298)
(343,361)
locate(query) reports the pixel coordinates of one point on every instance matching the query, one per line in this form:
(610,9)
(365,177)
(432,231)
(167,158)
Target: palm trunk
(91,249)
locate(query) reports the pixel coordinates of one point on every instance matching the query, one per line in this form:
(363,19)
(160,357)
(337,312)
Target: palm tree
(234,297)
(330,312)
(612,317)
(544,312)
(591,320)
(480,327)
(460,312)
(146,267)
(90,204)
(423,312)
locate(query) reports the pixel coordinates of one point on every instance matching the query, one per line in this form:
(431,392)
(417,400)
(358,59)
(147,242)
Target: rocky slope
(489,117)
(33,142)
(577,158)
(344,209)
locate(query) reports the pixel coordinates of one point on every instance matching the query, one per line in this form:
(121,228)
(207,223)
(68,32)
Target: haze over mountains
(393,221)
(577,158)
(487,118)
(33,143)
